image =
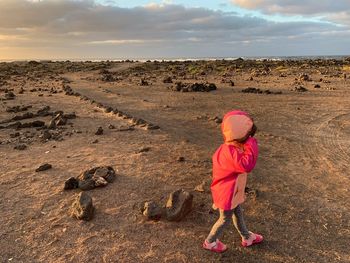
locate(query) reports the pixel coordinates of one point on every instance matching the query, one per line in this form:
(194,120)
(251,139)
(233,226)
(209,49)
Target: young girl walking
(232,161)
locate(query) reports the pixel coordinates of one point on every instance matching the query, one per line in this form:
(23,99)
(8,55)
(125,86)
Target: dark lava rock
(26,115)
(259,91)
(44,167)
(33,124)
(68,90)
(16,109)
(180,159)
(95,177)
(150,126)
(82,207)
(71,183)
(99,131)
(71,115)
(195,87)
(152,211)
(144,149)
(300,89)
(46,135)
(144,82)
(44,111)
(167,80)
(20,147)
(317,86)
(179,205)
(86,185)
(108,109)
(9,95)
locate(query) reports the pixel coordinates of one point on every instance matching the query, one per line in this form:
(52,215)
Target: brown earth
(302,176)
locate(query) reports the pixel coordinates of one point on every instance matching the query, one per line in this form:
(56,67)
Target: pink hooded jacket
(231,163)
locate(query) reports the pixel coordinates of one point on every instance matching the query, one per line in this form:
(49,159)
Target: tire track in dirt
(332,154)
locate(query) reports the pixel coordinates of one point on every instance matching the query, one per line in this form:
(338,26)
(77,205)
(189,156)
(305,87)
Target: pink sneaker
(216,246)
(253,239)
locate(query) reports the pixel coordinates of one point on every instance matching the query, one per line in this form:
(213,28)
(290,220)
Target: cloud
(81,28)
(295,7)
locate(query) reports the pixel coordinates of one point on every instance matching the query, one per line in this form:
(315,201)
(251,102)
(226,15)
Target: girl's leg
(219,226)
(238,221)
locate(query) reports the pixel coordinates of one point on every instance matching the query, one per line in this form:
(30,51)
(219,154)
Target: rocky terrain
(111,161)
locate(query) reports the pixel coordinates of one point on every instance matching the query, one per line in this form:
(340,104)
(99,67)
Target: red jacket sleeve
(246,161)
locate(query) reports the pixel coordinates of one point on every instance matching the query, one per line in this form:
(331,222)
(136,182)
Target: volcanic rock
(152,211)
(82,207)
(167,80)
(71,183)
(178,205)
(300,89)
(95,177)
(43,167)
(9,95)
(20,147)
(99,131)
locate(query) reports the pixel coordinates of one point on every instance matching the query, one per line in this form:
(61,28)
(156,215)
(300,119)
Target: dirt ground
(301,179)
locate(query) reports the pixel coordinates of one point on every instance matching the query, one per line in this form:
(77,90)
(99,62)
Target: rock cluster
(194,87)
(259,91)
(92,178)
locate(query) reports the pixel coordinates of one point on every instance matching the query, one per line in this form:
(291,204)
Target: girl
(231,163)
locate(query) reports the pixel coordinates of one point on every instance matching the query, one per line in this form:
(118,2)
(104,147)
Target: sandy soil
(302,176)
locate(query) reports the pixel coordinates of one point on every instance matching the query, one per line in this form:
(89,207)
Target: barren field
(159,133)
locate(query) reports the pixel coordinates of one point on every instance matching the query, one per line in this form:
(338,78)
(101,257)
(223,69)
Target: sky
(135,29)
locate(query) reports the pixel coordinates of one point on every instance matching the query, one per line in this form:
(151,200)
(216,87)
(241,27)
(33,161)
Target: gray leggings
(226,216)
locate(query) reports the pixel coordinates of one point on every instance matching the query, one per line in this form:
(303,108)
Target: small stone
(317,86)
(10,95)
(99,131)
(43,167)
(152,211)
(46,135)
(94,141)
(20,147)
(144,149)
(111,126)
(178,205)
(71,183)
(180,159)
(300,89)
(43,111)
(82,207)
